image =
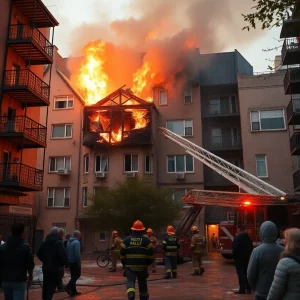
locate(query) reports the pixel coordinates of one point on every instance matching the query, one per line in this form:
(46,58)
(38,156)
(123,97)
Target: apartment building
(290,32)
(24,51)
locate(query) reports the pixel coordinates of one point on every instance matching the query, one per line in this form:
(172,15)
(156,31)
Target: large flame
(92,79)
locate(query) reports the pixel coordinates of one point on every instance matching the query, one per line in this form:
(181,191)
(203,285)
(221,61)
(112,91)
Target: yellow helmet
(194,228)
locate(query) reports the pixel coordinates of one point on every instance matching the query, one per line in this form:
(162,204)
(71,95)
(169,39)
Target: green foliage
(269,13)
(134,199)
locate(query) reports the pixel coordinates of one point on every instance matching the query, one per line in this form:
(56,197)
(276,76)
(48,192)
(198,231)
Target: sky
(71,14)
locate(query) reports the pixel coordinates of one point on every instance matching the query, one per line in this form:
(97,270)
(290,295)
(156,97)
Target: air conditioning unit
(63,172)
(100,174)
(130,175)
(180,176)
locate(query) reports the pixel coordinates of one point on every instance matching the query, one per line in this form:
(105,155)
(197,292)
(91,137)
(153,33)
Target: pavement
(218,282)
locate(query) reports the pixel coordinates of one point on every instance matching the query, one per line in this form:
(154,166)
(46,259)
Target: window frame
(67,99)
(266,164)
(190,95)
(86,163)
(55,157)
(95,164)
(184,126)
(102,240)
(84,196)
(150,163)
(131,164)
(159,101)
(65,137)
(259,120)
(186,172)
(54,190)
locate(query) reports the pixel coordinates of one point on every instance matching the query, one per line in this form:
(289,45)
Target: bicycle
(104,259)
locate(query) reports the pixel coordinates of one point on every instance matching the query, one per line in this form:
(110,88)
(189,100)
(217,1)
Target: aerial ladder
(253,187)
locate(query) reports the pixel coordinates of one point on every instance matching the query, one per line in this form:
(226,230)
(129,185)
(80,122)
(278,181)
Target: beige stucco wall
(263,92)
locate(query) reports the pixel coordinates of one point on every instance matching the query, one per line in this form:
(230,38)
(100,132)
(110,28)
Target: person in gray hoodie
(263,261)
(74,262)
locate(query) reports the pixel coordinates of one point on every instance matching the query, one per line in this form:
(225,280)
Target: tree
(134,199)
(269,13)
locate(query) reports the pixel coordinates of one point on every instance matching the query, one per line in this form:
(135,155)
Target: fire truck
(256,202)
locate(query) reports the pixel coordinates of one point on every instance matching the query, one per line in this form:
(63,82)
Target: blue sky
(72,13)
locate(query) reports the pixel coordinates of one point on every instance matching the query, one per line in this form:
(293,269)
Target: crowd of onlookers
(272,269)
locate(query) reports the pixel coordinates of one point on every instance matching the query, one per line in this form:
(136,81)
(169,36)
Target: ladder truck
(256,202)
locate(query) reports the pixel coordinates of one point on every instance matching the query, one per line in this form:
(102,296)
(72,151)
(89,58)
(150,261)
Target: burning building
(119,119)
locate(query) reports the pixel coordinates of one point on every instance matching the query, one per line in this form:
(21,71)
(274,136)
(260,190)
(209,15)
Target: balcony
(223,143)
(216,111)
(30,44)
(290,28)
(296,179)
(25,86)
(295,144)
(293,112)
(20,177)
(213,179)
(292,81)
(23,131)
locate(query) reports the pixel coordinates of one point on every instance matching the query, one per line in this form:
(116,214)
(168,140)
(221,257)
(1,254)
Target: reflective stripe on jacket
(197,243)
(170,245)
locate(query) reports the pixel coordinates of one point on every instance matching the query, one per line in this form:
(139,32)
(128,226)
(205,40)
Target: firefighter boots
(196,272)
(167,276)
(202,271)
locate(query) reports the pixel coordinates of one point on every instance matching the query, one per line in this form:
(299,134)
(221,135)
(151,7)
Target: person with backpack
(286,283)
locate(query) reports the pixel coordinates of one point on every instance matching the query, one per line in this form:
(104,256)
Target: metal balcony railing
(296,179)
(18,174)
(26,79)
(292,76)
(293,109)
(25,32)
(224,142)
(295,143)
(25,125)
(291,44)
(219,110)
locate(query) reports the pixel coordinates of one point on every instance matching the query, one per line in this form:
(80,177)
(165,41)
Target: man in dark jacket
(241,251)
(16,261)
(53,256)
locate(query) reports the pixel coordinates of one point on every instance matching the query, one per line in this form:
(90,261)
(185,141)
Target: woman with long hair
(286,283)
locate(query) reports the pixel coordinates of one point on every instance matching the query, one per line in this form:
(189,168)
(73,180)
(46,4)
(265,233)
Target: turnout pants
(50,279)
(75,271)
(171,266)
(141,276)
(241,269)
(115,256)
(197,262)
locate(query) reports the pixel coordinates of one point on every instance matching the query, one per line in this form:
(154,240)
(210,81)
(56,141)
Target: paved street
(96,283)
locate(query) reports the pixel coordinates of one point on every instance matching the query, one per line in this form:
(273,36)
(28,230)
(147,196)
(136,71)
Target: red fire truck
(259,202)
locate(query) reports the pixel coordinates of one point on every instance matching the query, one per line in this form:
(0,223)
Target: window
(148,163)
(60,225)
(84,197)
(163,100)
(102,236)
(101,163)
(58,197)
(131,163)
(66,102)
(59,162)
(86,163)
(261,166)
(61,131)
(182,127)
(222,105)
(188,96)
(180,163)
(178,194)
(267,120)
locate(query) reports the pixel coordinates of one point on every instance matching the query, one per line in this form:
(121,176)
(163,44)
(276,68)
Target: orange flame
(152,35)
(92,78)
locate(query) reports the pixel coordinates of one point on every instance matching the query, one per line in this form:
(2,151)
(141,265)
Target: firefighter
(197,247)
(154,242)
(136,256)
(170,250)
(115,253)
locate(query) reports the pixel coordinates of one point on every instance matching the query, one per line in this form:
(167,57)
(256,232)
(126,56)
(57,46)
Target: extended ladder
(244,180)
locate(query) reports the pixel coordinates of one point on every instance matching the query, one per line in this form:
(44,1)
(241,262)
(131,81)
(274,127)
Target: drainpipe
(79,167)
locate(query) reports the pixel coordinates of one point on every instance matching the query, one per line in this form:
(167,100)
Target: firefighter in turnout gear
(136,256)
(154,242)
(170,250)
(115,250)
(197,247)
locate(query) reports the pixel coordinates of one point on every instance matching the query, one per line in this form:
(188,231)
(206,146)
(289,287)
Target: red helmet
(114,232)
(138,226)
(149,230)
(170,230)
